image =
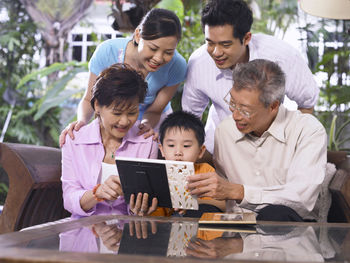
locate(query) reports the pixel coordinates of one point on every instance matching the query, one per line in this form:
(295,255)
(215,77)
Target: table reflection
(131,237)
(187,239)
(267,243)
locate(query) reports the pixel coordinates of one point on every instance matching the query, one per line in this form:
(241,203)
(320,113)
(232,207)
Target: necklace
(112,151)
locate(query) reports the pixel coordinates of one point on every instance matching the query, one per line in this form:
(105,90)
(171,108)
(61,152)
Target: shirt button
(257,172)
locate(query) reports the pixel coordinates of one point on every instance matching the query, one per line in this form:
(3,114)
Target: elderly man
(270,160)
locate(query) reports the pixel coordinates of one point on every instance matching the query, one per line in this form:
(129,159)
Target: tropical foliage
(18,44)
(333,67)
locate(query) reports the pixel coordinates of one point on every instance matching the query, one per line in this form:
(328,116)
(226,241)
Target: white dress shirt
(205,82)
(285,166)
(299,245)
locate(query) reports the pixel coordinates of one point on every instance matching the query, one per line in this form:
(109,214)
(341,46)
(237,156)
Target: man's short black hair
(228,12)
(183,120)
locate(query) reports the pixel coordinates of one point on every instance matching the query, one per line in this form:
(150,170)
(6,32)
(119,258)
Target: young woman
(90,178)
(151,51)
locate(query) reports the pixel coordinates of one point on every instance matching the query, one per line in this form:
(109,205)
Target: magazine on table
(242,218)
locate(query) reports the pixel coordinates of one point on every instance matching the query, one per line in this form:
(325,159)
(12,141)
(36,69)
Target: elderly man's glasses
(233,106)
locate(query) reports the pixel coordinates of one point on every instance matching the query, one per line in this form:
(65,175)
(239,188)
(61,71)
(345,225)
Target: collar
(276,129)
(90,134)
(223,73)
(278,126)
(252,49)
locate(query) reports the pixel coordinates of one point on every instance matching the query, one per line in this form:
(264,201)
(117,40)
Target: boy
(181,137)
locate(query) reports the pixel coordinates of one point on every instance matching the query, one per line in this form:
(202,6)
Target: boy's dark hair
(228,12)
(118,84)
(159,23)
(183,120)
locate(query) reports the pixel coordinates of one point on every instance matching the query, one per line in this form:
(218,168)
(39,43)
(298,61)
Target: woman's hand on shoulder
(140,205)
(146,129)
(75,125)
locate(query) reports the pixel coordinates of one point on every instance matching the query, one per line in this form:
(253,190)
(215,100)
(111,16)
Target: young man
(273,159)
(181,137)
(226,25)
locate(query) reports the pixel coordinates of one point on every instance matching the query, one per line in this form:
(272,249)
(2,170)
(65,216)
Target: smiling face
(115,122)
(260,118)
(153,54)
(181,145)
(224,49)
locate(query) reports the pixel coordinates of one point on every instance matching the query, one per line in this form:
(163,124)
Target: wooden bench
(35,193)
(339,211)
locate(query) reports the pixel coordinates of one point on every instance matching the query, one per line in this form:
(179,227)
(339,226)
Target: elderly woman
(90,178)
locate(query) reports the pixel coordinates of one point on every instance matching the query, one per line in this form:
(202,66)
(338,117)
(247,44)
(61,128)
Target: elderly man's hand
(216,248)
(214,186)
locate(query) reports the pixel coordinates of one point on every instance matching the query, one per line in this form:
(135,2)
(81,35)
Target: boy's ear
(161,149)
(201,152)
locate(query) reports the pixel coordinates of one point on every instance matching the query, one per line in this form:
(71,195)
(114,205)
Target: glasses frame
(234,107)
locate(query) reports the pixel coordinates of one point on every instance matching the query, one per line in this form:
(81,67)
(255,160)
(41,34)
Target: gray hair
(262,75)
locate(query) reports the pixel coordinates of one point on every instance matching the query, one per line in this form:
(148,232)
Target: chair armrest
(35,191)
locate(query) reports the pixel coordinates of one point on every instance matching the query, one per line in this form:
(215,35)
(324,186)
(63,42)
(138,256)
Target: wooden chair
(340,188)
(35,192)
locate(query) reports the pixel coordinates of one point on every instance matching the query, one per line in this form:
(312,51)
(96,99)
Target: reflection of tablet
(156,244)
(168,239)
(165,180)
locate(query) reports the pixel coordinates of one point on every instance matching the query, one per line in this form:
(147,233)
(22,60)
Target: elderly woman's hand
(109,234)
(140,206)
(75,125)
(111,189)
(139,228)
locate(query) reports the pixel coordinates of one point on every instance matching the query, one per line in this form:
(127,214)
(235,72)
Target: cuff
(76,205)
(252,195)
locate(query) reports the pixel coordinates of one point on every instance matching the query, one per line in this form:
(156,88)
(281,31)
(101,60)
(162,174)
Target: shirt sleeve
(177,72)
(154,150)
(301,86)
(72,189)
(104,56)
(303,181)
(193,99)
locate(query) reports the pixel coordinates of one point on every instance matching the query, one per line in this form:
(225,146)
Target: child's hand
(140,206)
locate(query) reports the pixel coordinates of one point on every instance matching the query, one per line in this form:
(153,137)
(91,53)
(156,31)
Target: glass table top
(179,238)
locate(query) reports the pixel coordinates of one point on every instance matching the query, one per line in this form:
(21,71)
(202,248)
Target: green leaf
(174,5)
(331,141)
(54,101)
(61,83)
(339,131)
(44,72)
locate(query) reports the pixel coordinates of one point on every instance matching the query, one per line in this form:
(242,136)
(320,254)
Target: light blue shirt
(112,51)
